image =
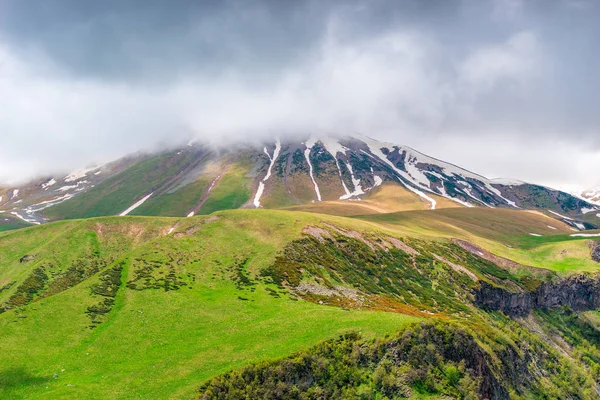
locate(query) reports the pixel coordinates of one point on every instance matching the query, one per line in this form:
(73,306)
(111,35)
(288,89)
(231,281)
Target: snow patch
(48,203)
(191,214)
(15,193)
(379,154)
(355,182)
(309,144)
(76,175)
(46,185)
(585,235)
(586,210)
(29,220)
(459,201)
(559,215)
(499,194)
(378,181)
(535,234)
(551,227)
(135,205)
(261,185)
(75,186)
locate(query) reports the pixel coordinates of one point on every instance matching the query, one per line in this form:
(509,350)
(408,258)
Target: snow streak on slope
(417,176)
(46,185)
(585,235)
(76,175)
(334,147)
(29,220)
(309,144)
(414,158)
(355,182)
(379,154)
(136,205)
(560,215)
(261,185)
(48,203)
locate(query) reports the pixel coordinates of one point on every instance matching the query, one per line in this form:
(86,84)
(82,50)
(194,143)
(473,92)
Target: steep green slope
(163,312)
(119,192)
(231,192)
(441,361)
(147,307)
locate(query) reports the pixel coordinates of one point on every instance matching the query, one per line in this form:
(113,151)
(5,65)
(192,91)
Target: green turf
(119,192)
(176,204)
(506,233)
(157,344)
(162,343)
(231,192)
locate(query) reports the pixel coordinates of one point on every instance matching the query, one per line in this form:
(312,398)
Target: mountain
(311,268)
(350,175)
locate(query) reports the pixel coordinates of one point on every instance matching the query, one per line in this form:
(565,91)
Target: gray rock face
(595,245)
(580,292)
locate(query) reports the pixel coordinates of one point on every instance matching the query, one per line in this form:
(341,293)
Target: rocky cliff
(579,292)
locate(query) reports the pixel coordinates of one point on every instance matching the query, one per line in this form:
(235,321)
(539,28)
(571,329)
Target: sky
(505,88)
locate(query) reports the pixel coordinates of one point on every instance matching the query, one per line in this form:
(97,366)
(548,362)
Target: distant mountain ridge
(283,173)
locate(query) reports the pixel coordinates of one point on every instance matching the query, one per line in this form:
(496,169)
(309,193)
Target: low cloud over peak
(503,87)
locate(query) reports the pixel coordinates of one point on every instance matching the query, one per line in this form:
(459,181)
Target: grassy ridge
(156,342)
(506,233)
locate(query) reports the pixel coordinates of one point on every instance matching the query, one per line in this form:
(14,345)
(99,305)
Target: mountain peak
(197,178)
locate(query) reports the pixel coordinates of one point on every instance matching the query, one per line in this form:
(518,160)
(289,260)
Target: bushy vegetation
(429,359)
(437,360)
(106,289)
(424,280)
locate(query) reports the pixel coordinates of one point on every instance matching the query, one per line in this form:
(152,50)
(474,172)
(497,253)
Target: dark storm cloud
(503,87)
(156,40)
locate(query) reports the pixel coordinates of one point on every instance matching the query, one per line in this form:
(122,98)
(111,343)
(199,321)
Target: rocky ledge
(579,292)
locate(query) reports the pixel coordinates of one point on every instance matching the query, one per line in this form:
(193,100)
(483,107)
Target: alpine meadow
(299,200)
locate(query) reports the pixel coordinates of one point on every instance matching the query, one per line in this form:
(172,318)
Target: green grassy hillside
(155,307)
(182,307)
(117,193)
(507,233)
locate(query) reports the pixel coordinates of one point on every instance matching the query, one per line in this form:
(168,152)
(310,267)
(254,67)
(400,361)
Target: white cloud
(512,62)
(401,85)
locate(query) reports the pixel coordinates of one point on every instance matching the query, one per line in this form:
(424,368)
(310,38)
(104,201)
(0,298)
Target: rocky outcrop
(579,292)
(491,297)
(595,246)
